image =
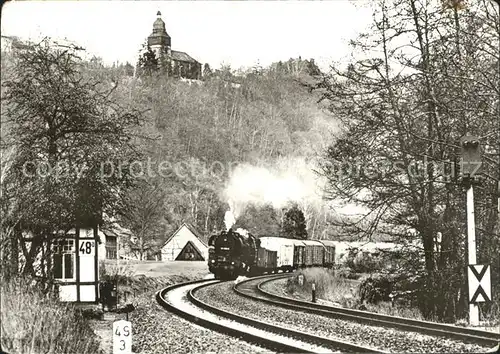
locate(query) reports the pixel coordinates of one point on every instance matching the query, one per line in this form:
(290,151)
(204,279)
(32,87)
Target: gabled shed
(185,244)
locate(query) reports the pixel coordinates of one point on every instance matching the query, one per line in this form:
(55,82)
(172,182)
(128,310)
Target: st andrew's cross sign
(479,277)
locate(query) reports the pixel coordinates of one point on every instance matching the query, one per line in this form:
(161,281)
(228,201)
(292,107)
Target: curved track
(181,300)
(252,288)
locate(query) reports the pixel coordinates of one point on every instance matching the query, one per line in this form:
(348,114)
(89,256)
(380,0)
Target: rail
(432,328)
(272,337)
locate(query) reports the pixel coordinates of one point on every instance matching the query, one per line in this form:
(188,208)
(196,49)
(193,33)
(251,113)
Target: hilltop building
(178,64)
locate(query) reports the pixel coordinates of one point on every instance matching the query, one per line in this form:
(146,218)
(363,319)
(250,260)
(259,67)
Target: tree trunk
(314,227)
(207,217)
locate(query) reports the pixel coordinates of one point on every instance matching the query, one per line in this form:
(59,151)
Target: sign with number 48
(122,337)
(86,248)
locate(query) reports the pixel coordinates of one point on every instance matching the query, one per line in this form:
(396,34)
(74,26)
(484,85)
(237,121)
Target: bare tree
(143,214)
(404,111)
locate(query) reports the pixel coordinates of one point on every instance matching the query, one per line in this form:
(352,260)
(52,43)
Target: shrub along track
(253,289)
(181,299)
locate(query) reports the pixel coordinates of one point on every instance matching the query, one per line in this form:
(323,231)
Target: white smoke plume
(289,180)
(242,232)
(229,219)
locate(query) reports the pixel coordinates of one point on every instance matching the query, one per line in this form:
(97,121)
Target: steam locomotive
(232,254)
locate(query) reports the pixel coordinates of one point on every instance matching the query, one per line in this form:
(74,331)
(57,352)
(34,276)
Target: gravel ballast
(179,299)
(156,330)
(393,340)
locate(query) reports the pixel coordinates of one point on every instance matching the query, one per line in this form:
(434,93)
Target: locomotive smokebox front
(230,253)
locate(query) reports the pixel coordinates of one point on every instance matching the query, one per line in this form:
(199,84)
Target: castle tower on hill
(179,64)
(159,41)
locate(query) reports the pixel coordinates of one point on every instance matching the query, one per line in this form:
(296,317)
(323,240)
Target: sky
(235,33)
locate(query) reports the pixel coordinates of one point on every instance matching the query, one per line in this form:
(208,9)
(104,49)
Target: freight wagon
(329,255)
(284,251)
(266,261)
(314,253)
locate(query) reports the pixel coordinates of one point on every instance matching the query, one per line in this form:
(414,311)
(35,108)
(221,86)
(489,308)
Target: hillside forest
(286,147)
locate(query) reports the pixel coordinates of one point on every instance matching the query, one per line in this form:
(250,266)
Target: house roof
(182,56)
(191,228)
(109,232)
(116,230)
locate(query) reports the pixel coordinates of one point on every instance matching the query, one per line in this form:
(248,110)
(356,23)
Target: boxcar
(314,253)
(308,254)
(266,260)
(329,255)
(284,249)
(299,249)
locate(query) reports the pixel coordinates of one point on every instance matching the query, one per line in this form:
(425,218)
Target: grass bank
(33,322)
(136,277)
(342,291)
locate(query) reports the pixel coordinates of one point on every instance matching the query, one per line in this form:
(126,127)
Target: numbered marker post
(122,337)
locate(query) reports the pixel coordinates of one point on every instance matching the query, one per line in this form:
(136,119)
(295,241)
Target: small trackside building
(185,244)
(75,255)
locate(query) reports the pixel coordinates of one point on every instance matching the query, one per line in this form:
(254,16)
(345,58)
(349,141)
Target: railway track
(181,299)
(253,288)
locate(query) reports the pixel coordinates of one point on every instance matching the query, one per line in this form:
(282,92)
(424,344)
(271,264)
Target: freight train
(232,254)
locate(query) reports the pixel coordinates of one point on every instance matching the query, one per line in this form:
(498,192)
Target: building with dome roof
(177,63)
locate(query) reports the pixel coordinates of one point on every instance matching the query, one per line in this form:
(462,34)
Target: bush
(375,289)
(364,262)
(111,272)
(328,286)
(347,273)
(322,278)
(33,322)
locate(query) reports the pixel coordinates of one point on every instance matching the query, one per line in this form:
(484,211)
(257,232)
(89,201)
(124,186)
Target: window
(63,251)
(111,252)
(110,241)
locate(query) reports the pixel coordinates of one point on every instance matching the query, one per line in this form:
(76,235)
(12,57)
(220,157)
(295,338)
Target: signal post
(478,276)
